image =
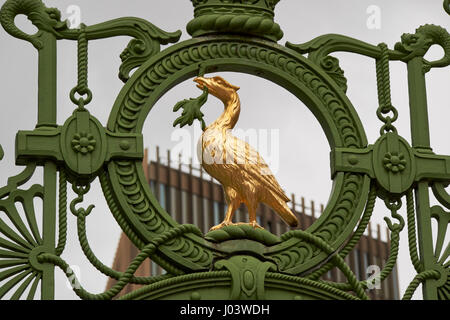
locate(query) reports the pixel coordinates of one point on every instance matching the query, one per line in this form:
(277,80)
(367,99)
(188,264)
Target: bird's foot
(255,225)
(220,226)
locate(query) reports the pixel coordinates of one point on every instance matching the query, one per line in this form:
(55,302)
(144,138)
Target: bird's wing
(241,153)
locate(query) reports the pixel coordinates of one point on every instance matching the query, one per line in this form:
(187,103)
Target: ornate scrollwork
(20,237)
(143,208)
(440,270)
(412,45)
(331,66)
(163,69)
(417,45)
(130,112)
(147,37)
(320,48)
(240,35)
(441,194)
(298,253)
(326,44)
(147,41)
(46,19)
(440,253)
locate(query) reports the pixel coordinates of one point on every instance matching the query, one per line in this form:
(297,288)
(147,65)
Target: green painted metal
(236,262)
(247,17)
(146,219)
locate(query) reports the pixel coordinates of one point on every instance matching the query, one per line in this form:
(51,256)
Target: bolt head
(352,160)
(124,145)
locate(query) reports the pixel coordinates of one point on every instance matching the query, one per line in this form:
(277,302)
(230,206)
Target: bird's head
(218,87)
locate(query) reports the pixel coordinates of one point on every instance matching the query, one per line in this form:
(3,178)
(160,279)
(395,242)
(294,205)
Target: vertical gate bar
(49,228)
(420,137)
(420,133)
(425,239)
(47,118)
(47,73)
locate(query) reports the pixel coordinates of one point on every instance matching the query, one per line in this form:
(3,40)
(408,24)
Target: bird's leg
(228,219)
(229,215)
(252,217)
(233,204)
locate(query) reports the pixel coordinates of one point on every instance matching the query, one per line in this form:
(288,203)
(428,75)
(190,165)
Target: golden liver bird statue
(244,175)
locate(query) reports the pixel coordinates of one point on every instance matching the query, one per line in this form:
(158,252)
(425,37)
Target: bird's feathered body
(244,175)
(235,158)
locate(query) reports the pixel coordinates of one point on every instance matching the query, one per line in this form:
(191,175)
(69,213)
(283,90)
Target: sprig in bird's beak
(201,82)
(191,110)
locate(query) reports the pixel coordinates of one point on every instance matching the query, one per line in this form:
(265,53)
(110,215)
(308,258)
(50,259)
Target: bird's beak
(201,82)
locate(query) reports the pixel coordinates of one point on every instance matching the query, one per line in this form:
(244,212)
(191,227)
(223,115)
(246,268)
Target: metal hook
(80,190)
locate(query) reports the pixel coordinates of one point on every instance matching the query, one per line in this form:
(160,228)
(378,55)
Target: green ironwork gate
(238,261)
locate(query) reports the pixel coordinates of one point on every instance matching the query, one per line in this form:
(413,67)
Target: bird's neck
(230,116)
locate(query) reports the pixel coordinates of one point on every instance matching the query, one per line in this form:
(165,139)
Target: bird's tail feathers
(285,212)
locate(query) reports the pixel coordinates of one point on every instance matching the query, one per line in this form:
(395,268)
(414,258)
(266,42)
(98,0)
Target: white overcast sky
(303,166)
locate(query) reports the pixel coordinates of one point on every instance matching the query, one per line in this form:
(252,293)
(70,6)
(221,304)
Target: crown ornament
(245,17)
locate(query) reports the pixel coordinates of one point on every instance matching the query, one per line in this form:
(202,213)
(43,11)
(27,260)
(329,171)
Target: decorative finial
(246,17)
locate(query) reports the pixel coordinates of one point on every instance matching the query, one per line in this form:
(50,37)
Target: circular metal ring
(141,216)
(80,101)
(381,111)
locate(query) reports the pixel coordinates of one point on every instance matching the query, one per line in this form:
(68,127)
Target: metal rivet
(124,145)
(352,160)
